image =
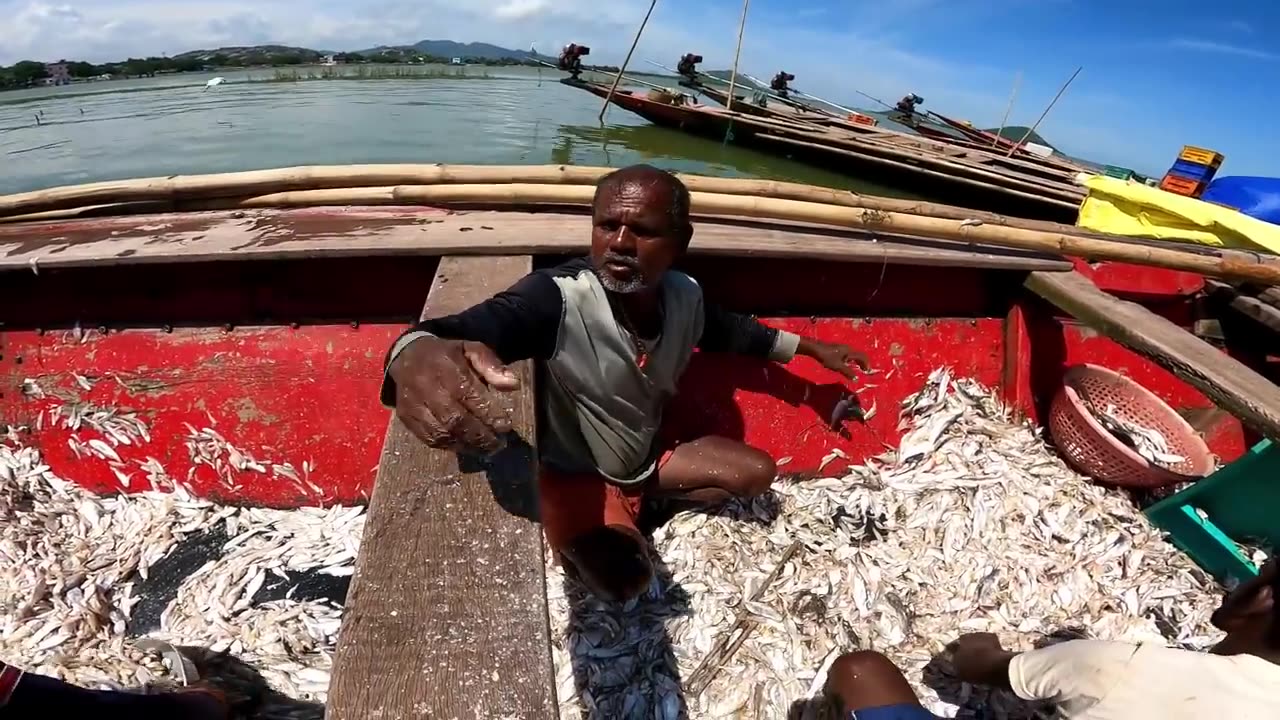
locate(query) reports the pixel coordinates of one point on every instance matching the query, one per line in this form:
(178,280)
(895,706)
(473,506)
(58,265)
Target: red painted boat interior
(284,358)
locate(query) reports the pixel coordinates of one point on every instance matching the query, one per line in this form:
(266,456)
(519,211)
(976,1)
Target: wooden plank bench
(1227,382)
(369,231)
(447,614)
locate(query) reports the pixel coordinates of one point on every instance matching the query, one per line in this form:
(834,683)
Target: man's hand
(444,394)
(835,357)
(979,658)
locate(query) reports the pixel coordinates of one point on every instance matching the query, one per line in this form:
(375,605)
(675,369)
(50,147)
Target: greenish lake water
(171,125)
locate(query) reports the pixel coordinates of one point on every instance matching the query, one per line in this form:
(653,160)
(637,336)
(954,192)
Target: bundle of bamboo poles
(561,185)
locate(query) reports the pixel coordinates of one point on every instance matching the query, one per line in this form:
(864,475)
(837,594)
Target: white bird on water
(213,83)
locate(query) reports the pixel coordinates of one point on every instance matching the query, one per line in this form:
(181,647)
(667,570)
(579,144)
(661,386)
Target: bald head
(659,186)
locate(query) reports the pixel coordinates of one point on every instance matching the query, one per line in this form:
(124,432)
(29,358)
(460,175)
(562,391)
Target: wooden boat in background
(975,134)
(269,319)
(782,109)
(970,177)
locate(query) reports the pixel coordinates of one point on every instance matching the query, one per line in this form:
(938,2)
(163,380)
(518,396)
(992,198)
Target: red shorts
(573,504)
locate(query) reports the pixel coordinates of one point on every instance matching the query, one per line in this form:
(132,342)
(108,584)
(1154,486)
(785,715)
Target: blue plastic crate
(1193,171)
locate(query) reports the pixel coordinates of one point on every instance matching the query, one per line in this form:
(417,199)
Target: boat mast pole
(733,76)
(1052,102)
(1017,80)
(613,88)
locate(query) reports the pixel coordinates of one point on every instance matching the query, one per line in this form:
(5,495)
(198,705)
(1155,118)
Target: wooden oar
(613,88)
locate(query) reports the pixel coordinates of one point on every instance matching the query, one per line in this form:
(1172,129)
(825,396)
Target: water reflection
(171,125)
(675,150)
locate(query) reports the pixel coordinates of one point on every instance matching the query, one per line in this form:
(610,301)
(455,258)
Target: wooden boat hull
(885,164)
(278,345)
(741,104)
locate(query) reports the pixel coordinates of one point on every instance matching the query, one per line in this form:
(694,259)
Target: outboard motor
(688,66)
(571,59)
(907,105)
(779,83)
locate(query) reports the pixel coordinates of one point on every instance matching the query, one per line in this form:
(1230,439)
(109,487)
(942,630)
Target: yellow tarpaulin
(1120,207)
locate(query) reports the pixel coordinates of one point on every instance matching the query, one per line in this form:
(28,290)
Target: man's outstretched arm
(725,331)
(441,373)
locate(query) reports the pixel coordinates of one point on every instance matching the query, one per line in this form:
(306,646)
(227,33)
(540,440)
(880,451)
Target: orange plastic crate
(1201,156)
(860,119)
(1182,186)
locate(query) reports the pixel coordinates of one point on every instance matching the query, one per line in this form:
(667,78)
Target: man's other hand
(833,356)
(445,394)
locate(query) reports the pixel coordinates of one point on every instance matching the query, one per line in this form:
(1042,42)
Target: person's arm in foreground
(1069,671)
(979,659)
(725,331)
(441,374)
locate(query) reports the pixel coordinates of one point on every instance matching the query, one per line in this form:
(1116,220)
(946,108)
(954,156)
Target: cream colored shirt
(1098,680)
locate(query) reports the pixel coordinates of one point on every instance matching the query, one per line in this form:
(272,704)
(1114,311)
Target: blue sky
(1157,74)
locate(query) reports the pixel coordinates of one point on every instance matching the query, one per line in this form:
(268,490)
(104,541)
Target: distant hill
(1015,133)
(451,49)
(243,52)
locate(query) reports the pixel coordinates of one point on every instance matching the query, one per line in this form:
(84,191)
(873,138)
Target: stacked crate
(1192,172)
(1119,173)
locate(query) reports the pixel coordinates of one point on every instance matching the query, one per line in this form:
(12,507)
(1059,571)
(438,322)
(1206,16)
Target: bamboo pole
(635,80)
(259,182)
(613,88)
(150,194)
(737,54)
(797,104)
(1052,102)
(100,198)
(107,198)
(1065,205)
(891,107)
(955,167)
(1017,80)
(1233,267)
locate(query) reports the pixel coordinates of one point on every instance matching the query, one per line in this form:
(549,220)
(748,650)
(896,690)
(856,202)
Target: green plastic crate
(1117,172)
(1239,502)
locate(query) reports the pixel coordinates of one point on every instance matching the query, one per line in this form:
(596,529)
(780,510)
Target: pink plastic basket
(1095,452)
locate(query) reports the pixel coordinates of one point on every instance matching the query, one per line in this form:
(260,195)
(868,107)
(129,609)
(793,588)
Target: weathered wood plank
(1227,382)
(447,615)
(1255,308)
(348,232)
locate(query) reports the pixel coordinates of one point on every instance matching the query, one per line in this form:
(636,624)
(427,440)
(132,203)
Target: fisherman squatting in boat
(614,332)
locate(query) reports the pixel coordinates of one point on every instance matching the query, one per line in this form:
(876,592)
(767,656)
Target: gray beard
(613,285)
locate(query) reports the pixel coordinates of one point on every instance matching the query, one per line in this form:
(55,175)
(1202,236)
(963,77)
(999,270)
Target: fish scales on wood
(447,611)
(1225,380)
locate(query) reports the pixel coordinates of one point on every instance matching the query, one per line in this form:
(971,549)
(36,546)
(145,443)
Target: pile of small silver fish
(972,525)
(70,561)
(1150,443)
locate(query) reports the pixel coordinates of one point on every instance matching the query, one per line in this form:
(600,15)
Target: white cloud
(1222,48)
(103,30)
(520,9)
(1241,26)
(865,48)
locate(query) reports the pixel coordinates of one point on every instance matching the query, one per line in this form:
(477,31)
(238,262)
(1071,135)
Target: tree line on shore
(29,72)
